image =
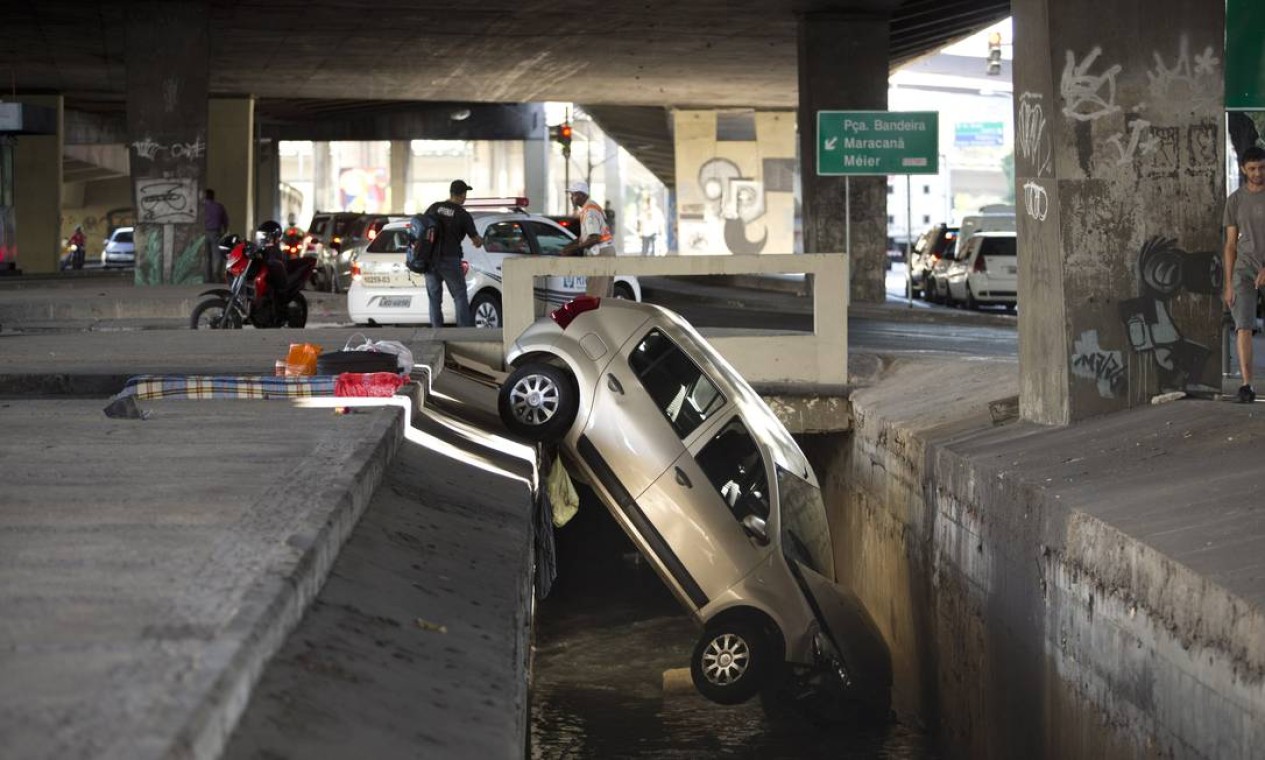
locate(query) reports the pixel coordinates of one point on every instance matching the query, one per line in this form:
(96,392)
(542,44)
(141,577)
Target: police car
(384,292)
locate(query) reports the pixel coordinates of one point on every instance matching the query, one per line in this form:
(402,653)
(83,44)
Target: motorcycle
(292,244)
(249,299)
(73,258)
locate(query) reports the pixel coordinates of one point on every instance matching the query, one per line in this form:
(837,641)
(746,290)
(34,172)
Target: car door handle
(614,385)
(682,478)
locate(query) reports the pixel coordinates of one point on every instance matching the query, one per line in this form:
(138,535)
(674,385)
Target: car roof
(995,233)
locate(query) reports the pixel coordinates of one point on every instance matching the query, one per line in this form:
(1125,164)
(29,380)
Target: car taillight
(979,263)
(569,311)
(373,234)
(355,269)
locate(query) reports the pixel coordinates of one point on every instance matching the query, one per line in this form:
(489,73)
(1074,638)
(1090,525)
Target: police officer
(595,236)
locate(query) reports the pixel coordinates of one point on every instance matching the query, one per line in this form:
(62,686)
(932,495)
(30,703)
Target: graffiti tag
(1036,200)
(149,149)
(1086,96)
(166,201)
(1137,142)
(1091,362)
(1034,141)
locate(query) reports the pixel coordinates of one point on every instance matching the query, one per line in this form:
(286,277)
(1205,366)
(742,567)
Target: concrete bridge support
(37,192)
(843,66)
(168,78)
(230,166)
(1120,172)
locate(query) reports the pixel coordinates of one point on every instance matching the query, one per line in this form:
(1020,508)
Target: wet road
(605,636)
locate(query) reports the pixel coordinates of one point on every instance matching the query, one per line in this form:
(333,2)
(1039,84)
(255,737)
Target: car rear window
(319,225)
(998,246)
(390,241)
(123,236)
(550,239)
(342,224)
(682,392)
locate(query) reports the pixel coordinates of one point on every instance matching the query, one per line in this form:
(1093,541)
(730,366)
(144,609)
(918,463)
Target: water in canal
(604,637)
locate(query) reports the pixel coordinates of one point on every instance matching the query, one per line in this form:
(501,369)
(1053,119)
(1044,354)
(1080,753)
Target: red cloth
(375,384)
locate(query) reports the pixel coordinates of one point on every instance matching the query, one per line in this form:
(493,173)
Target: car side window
(733,464)
(550,239)
(685,395)
(505,237)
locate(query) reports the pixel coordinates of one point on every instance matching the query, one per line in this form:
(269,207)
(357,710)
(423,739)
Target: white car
(384,292)
(120,250)
(985,272)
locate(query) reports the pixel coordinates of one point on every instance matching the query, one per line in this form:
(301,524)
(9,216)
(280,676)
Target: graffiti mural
(1164,272)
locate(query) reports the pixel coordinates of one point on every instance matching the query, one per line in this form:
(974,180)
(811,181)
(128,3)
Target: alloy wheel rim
(726,659)
(486,316)
(535,399)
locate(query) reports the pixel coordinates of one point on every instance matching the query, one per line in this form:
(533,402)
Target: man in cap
(595,236)
(455,224)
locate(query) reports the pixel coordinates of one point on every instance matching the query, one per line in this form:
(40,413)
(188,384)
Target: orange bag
(301,361)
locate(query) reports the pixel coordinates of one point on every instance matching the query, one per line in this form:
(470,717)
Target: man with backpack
(455,224)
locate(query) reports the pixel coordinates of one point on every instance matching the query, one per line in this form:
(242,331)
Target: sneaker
(1246,395)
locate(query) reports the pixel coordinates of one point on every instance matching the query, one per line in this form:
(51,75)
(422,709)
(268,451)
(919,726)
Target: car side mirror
(756,528)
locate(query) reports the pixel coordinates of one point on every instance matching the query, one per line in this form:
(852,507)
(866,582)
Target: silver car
(707,482)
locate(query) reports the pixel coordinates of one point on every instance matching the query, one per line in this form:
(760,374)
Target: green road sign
(878,142)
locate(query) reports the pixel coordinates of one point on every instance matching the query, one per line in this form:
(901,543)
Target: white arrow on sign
(831,143)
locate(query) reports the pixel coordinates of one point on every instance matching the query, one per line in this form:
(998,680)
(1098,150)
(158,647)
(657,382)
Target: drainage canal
(609,678)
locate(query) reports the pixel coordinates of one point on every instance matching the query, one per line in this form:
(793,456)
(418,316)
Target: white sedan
(384,292)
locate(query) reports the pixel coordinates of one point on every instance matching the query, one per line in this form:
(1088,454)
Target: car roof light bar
(564,314)
(519,202)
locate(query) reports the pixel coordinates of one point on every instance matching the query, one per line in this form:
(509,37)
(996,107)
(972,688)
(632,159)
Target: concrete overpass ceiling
(360,53)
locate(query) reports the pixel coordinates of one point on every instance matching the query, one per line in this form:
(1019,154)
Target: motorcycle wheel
(214,314)
(296,311)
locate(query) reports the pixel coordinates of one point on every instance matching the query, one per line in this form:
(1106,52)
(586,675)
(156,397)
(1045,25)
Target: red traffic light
(564,133)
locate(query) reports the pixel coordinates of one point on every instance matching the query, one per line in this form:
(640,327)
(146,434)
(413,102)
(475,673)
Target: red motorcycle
(251,298)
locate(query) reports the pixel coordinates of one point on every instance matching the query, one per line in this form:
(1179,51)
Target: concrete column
(37,192)
(167,86)
(230,154)
(400,155)
(1120,171)
(268,181)
(615,192)
(843,66)
(322,184)
(536,169)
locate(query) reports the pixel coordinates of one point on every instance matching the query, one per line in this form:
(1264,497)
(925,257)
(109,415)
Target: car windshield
(390,241)
(805,533)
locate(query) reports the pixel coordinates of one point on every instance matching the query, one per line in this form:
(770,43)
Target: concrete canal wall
(1089,591)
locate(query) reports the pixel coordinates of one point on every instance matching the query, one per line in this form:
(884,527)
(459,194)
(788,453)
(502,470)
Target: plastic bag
(301,360)
(403,356)
(367,384)
(562,495)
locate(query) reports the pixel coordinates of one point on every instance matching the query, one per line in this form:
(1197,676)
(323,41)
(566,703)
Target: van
(995,217)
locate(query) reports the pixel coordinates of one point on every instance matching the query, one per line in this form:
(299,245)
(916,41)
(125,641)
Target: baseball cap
(458,187)
(579,186)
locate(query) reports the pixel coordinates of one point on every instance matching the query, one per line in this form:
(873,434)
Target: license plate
(395,302)
(376,279)
(1012,270)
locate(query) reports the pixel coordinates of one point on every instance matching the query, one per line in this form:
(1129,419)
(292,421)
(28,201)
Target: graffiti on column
(149,149)
(1087,96)
(1164,271)
(1036,200)
(165,201)
(1092,362)
(1034,140)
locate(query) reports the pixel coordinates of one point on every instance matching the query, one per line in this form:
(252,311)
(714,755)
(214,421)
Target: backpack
(423,250)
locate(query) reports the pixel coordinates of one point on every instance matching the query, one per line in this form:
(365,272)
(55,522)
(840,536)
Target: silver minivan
(709,485)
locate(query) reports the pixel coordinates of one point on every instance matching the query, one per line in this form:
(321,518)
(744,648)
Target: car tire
(624,291)
(732,661)
(538,402)
(210,315)
(296,312)
(929,291)
(486,309)
(338,362)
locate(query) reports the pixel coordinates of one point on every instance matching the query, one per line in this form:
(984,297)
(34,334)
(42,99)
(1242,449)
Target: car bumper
(393,306)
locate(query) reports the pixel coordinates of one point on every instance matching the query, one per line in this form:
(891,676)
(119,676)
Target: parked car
(987,272)
(119,250)
(707,483)
(336,276)
(930,247)
(325,236)
(384,291)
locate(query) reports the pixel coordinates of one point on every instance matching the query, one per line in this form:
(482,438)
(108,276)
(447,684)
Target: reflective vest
(590,207)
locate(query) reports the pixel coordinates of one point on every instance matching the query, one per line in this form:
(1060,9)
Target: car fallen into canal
(710,487)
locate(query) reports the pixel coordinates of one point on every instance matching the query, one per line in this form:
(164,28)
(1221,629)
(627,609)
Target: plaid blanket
(123,403)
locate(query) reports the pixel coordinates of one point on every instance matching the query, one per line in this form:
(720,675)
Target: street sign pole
(909,233)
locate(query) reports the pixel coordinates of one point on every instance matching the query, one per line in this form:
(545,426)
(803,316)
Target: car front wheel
(731,662)
(538,402)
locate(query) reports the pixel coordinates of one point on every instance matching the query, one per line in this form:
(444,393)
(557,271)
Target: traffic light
(562,134)
(994,54)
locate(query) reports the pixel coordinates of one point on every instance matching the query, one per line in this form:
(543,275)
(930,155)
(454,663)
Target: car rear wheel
(731,662)
(623,290)
(486,308)
(538,402)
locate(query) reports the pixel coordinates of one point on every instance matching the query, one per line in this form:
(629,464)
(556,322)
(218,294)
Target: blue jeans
(447,271)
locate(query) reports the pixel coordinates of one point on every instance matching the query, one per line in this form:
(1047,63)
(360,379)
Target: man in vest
(595,236)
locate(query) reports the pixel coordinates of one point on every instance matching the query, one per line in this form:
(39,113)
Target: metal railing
(816,358)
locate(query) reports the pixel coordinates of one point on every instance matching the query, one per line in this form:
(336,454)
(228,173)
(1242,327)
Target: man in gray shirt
(215,223)
(1244,222)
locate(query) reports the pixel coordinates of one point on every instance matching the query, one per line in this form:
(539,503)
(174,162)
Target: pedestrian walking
(1244,222)
(455,225)
(215,224)
(595,237)
(649,223)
